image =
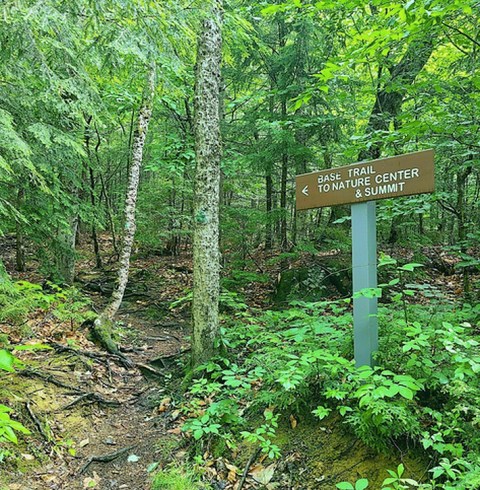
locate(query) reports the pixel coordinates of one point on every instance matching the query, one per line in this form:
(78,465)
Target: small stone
(109,441)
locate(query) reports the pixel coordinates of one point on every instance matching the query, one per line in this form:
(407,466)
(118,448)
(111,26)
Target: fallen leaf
(28,457)
(264,475)
(84,442)
(164,404)
(293,421)
(232,472)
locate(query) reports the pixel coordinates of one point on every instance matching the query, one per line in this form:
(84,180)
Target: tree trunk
(269,199)
(65,257)
(283,184)
(96,248)
(87,138)
(103,324)
(389,101)
(20,242)
(462,178)
(206,253)
(283,202)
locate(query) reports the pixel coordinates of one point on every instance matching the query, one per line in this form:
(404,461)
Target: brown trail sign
(397,176)
(360,185)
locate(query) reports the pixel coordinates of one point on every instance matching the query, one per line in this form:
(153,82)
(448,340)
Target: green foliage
(448,475)
(19,299)
(238,279)
(424,388)
(263,435)
(176,478)
(359,485)
(8,427)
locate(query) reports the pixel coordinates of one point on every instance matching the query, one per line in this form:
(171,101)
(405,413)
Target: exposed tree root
(37,423)
(92,398)
(106,458)
(30,373)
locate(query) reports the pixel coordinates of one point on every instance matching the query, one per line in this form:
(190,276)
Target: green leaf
(10,435)
(343,410)
(406,393)
(387,481)
(197,434)
(344,485)
(361,484)
(321,412)
(410,267)
(6,361)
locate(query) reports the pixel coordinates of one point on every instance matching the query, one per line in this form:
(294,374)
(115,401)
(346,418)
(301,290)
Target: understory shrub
(424,388)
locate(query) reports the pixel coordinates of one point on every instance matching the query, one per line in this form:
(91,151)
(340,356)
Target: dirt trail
(95,423)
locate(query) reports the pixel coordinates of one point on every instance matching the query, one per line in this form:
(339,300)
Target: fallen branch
(150,369)
(65,348)
(172,356)
(106,458)
(253,457)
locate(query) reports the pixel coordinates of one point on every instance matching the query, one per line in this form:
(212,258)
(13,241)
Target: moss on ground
(176,478)
(330,454)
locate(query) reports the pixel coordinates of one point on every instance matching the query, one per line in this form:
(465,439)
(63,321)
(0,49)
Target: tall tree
(102,325)
(206,253)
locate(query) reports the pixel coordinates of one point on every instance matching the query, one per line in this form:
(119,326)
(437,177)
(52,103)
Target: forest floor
(97,424)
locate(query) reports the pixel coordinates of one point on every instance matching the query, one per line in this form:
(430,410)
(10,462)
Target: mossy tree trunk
(206,253)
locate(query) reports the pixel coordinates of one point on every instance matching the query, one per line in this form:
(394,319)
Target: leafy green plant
(8,427)
(262,436)
(396,480)
(424,388)
(359,485)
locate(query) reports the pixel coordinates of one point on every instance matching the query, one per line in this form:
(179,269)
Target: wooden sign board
(397,176)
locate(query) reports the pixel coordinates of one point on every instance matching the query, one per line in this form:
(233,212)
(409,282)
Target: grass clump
(176,478)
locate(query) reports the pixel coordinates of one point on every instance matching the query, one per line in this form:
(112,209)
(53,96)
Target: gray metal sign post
(364,263)
(360,185)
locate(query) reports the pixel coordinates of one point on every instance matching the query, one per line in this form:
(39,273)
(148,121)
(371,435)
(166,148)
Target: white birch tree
(103,324)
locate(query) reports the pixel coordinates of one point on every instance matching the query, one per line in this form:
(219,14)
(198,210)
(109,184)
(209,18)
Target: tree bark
(462,178)
(269,201)
(65,257)
(103,324)
(96,248)
(206,252)
(20,239)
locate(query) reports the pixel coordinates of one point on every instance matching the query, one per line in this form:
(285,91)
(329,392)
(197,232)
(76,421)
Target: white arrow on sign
(305,190)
